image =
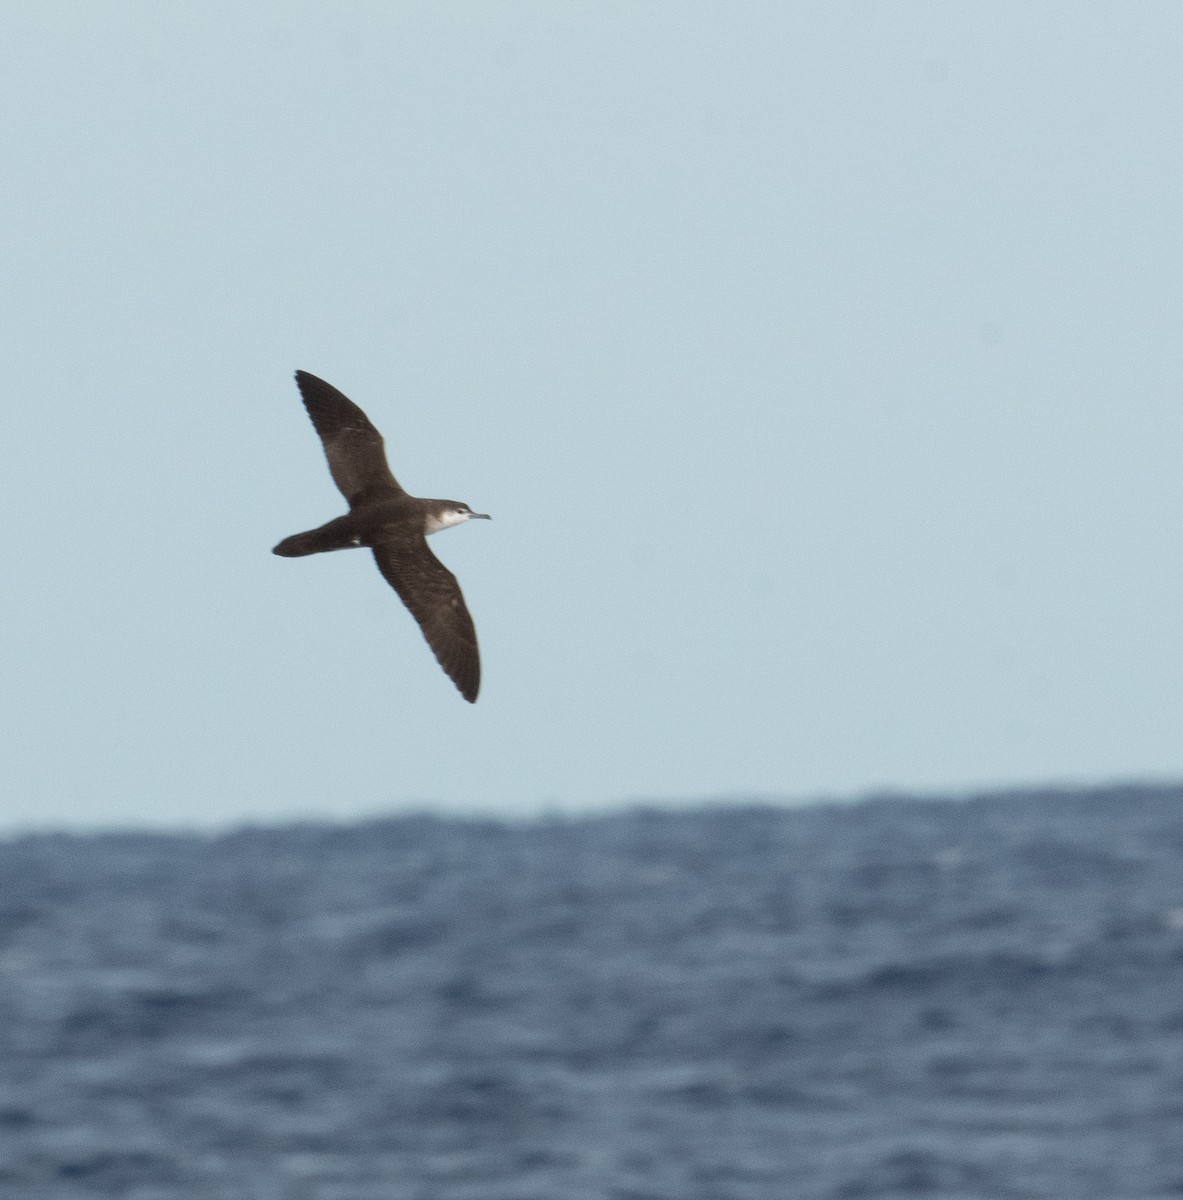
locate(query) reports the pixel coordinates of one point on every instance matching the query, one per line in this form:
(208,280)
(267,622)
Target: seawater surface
(895,998)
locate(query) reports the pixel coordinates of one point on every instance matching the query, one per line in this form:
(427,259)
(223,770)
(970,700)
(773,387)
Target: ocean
(972,999)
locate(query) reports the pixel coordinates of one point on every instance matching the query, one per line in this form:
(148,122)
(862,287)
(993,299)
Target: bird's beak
(479,517)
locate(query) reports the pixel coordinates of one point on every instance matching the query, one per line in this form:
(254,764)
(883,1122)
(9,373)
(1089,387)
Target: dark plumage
(394,525)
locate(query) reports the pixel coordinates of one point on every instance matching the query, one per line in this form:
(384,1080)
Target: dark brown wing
(432,594)
(357,457)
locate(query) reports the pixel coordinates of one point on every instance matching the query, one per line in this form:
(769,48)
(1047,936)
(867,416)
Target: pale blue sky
(819,363)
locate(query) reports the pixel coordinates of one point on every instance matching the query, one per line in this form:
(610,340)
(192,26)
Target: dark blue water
(894,999)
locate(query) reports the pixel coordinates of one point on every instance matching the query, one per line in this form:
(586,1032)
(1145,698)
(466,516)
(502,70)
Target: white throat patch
(436,522)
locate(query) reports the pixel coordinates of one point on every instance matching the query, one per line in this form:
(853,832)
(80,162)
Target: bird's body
(394,525)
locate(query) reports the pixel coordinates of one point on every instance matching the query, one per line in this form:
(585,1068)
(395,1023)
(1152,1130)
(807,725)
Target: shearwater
(394,526)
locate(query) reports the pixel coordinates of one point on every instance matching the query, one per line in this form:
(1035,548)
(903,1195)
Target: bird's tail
(336,535)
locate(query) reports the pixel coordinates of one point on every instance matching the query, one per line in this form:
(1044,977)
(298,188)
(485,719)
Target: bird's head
(446,513)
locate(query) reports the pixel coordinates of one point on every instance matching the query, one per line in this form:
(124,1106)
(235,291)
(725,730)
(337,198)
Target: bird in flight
(394,526)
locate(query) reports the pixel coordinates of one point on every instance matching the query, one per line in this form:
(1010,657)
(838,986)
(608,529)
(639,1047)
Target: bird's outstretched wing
(354,448)
(432,594)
